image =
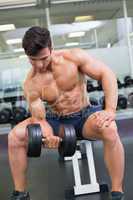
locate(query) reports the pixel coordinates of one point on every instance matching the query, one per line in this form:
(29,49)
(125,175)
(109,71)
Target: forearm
(109,84)
(37,110)
(45,126)
(38,115)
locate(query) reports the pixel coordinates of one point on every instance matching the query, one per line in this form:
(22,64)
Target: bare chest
(62,79)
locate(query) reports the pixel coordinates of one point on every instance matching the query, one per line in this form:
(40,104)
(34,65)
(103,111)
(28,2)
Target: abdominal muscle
(69,102)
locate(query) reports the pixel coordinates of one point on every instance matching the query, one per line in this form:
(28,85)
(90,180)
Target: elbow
(109,74)
(109,78)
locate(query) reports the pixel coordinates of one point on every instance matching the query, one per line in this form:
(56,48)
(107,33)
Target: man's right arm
(38,113)
(35,104)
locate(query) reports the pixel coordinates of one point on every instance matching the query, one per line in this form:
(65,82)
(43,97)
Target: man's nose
(40,64)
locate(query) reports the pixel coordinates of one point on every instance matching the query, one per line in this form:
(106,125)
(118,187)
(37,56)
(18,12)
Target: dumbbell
(120,85)
(128,81)
(102,101)
(5,115)
(19,113)
(122,102)
(93,101)
(67,145)
(130,99)
(90,86)
(99,86)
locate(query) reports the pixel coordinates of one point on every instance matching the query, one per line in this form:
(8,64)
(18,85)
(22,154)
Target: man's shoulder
(67,51)
(73,54)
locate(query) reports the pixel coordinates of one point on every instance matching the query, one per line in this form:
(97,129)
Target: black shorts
(76,119)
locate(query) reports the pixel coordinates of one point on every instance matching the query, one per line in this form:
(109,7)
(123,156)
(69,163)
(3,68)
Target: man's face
(41,61)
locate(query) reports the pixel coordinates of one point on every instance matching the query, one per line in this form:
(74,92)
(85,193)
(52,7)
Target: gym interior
(104,28)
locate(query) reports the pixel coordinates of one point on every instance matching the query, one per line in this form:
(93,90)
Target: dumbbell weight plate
(34,140)
(120,85)
(68,145)
(5,115)
(102,101)
(99,87)
(19,113)
(90,87)
(128,81)
(122,102)
(93,101)
(130,99)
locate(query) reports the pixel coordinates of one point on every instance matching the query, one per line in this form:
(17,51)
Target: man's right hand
(51,142)
(49,139)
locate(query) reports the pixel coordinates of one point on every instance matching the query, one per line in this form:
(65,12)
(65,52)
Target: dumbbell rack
(93,186)
(5,129)
(95,95)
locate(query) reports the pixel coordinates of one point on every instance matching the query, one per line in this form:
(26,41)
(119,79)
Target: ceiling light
(66,1)
(10,4)
(7,27)
(14,41)
(76,34)
(72,44)
(84,18)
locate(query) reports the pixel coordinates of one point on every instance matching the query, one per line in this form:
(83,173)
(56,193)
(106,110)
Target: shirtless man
(58,77)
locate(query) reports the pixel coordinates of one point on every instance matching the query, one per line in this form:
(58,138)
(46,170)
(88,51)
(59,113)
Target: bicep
(35,104)
(89,65)
(93,68)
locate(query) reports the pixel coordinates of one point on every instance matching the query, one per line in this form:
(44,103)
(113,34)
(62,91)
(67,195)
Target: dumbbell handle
(44,139)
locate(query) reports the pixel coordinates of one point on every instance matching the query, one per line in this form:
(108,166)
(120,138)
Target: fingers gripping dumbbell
(67,145)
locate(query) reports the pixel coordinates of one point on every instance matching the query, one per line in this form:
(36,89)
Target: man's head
(37,46)
(35,39)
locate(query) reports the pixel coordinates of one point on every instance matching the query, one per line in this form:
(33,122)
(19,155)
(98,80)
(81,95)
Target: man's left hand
(104,118)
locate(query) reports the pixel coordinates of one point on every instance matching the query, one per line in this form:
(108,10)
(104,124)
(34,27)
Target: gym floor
(51,179)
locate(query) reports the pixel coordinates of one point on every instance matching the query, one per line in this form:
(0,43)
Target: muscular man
(58,77)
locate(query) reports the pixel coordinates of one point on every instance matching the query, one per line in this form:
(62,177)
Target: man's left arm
(101,72)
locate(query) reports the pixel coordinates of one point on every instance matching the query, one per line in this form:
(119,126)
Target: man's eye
(45,59)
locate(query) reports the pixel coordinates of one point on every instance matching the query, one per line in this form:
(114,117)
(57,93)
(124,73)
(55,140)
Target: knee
(110,134)
(17,138)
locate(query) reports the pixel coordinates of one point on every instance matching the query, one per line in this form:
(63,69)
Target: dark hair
(35,39)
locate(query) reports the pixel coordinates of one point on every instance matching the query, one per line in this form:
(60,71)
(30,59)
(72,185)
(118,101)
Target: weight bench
(93,186)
